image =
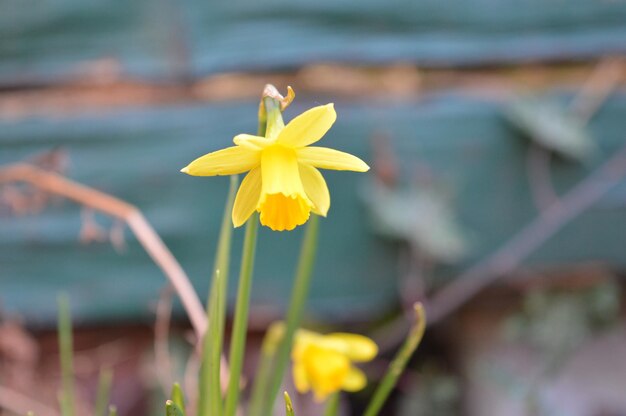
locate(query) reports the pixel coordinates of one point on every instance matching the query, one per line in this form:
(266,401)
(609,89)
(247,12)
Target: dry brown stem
(605,77)
(56,184)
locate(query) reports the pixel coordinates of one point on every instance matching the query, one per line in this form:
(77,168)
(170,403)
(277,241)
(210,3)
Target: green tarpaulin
(136,154)
(42,41)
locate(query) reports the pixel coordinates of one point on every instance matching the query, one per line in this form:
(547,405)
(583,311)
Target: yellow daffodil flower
(323,363)
(283,182)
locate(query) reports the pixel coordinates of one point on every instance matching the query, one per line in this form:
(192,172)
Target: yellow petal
(251,142)
(315,188)
(357,347)
(247,197)
(299,377)
(325,158)
(326,370)
(355,380)
(308,127)
(229,161)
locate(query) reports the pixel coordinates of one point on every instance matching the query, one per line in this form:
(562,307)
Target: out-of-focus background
(497,136)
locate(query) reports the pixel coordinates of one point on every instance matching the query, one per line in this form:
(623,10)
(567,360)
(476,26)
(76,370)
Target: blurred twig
(526,241)
(538,168)
(594,92)
(54,183)
(555,212)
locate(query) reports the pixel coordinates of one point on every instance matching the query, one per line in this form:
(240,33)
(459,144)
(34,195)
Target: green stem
(299,296)
(270,118)
(172,409)
(104,391)
(215,347)
(399,363)
(66,357)
(178,398)
(272,339)
(261,377)
(332,406)
(288,405)
(240,325)
(210,394)
(205,387)
(273,118)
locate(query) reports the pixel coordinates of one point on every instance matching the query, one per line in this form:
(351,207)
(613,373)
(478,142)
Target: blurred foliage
(557,322)
(551,126)
(423,217)
(436,393)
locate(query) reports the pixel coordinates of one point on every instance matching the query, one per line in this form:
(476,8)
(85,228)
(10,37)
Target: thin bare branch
(54,183)
(604,79)
(504,260)
(539,176)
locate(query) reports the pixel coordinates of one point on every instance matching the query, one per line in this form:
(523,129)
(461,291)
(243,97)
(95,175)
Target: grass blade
(332,406)
(66,356)
(299,296)
(288,405)
(210,394)
(271,341)
(104,391)
(178,398)
(240,325)
(399,362)
(171,409)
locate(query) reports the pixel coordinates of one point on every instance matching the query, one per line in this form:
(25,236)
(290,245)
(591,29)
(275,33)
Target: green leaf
(299,295)
(423,217)
(178,398)
(288,405)
(271,341)
(112,410)
(210,393)
(171,409)
(332,405)
(66,356)
(104,391)
(399,362)
(551,126)
(240,324)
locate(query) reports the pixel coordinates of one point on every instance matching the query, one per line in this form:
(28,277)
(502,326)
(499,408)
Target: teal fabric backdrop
(42,41)
(136,154)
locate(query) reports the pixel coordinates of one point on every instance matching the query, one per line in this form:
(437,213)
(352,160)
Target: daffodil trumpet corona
(283,181)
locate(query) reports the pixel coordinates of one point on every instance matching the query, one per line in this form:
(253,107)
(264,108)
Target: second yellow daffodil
(283,182)
(323,363)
